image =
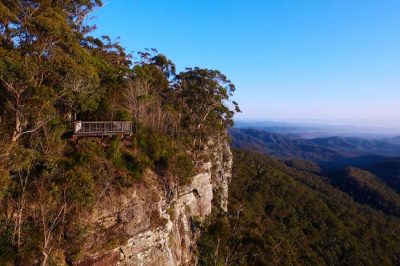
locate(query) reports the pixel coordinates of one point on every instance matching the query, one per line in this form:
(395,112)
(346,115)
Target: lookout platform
(102,128)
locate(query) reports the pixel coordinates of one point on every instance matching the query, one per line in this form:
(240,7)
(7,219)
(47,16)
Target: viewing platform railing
(102,128)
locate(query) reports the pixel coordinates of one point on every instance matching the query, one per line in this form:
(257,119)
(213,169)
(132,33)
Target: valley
(332,154)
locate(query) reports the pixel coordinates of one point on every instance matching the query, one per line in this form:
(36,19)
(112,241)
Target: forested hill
(52,71)
(388,170)
(279,215)
(368,189)
(317,149)
(330,156)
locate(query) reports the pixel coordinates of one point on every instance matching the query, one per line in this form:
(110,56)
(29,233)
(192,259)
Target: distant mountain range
(320,129)
(316,149)
(332,154)
(280,145)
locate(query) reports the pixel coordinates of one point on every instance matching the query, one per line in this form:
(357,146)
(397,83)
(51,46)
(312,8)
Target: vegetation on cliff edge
(52,70)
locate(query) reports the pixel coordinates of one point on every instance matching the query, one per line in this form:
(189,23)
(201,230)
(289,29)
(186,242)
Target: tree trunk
(45,257)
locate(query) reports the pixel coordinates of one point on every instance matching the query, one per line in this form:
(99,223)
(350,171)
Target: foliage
(389,171)
(53,71)
(302,165)
(182,166)
(366,188)
(203,95)
(281,216)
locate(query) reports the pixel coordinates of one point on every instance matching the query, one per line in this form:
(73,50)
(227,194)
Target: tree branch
(36,128)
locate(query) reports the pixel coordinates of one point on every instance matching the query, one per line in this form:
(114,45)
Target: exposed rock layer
(154,224)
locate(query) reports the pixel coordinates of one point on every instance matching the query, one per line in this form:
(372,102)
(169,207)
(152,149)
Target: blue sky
(325,60)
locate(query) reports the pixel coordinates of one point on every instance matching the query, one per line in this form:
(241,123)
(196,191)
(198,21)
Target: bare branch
(37,127)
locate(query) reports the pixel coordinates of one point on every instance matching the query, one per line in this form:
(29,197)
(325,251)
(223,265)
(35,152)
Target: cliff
(155,221)
(73,198)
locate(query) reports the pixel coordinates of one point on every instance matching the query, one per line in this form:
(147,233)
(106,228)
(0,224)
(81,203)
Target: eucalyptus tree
(205,99)
(41,61)
(149,92)
(51,68)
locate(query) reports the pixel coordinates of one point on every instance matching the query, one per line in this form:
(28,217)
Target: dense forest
(329,156)
(53,71)
(367,188)
(287,215)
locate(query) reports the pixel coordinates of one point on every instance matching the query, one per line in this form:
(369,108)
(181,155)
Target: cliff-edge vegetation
(53,71)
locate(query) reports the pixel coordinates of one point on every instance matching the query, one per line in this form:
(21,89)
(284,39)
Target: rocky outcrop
(155,222)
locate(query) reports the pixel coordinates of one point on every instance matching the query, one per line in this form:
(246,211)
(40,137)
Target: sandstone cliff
(155,222)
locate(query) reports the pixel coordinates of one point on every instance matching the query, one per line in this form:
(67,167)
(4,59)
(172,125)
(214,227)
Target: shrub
(182,166)
(171,211)
(5,181)
(89,150)
(114,152)
(156,146)
(82,188)
(156,220)
(7,252)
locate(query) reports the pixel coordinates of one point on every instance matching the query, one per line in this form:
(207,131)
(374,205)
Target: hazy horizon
(364,123)
(320,128)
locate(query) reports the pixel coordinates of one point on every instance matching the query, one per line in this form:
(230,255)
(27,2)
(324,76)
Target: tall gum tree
(40,54)
(205,97)
(42,62)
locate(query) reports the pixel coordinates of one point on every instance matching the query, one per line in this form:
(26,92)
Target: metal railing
(103,128)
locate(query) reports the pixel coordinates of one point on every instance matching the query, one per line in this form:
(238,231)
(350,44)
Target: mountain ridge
(328,156)
(311,149)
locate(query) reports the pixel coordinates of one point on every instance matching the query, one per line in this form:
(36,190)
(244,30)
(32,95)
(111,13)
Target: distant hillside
(358,146)
(279,215)
(303,165)
(332,154)
(318,149)
(388,170)
(280,145)
(385,168)
(368,189)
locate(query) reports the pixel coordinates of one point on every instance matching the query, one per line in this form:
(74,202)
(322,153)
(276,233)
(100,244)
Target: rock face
(154,223)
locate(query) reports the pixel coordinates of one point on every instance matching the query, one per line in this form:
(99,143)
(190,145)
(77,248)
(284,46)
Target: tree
(51,71)
(41,52)
(149,94)
(205,98)
(42,63)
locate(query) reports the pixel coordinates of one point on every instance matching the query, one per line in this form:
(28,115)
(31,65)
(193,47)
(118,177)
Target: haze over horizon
(321,128)
(355,123)
(331,61)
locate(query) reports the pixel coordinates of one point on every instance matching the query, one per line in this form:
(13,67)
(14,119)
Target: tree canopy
(280,215)
(52,71)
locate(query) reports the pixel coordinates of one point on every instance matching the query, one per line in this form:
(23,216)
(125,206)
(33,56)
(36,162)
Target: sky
(335,61)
